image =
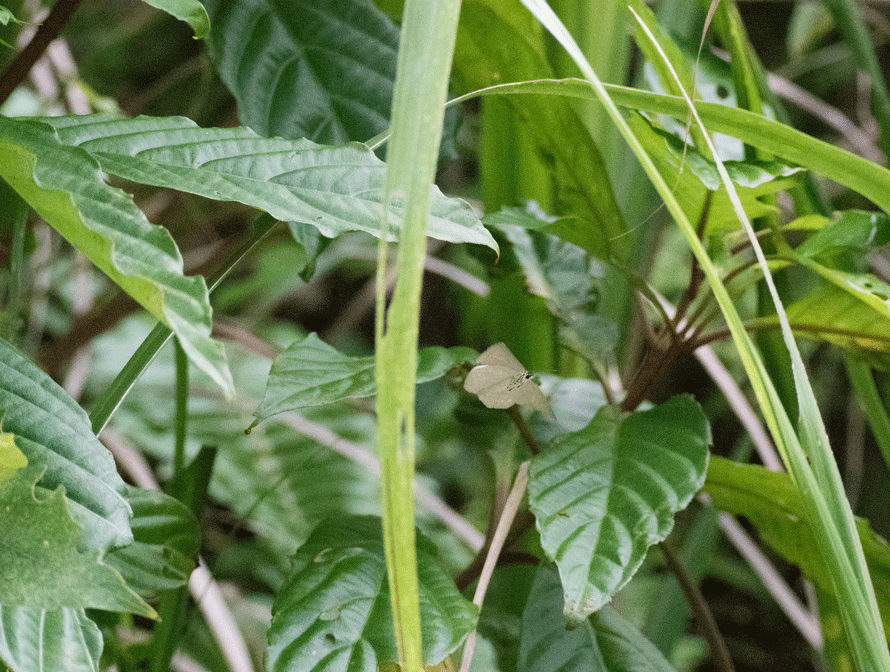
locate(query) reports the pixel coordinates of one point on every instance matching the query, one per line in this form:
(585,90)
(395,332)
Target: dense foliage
(224,390)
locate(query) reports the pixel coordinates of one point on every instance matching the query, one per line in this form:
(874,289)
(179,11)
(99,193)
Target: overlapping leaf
(317,69)
(334,614)
(312,373)
(62,640)
(190,11)
(40,564)
(499,42)
(605,642)
(166,539)
(604,494)
(54,432)
(773,504)
(694,176)
(335,189)
(64,185)
(840,317)
(570,280)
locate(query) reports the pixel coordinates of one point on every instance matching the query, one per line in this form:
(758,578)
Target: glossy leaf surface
(65,186)
(333,613)
(54,432)
(606,642)
(603,495)
(311,373)
(321,70)
(63,640)
(167,538)
(335,189)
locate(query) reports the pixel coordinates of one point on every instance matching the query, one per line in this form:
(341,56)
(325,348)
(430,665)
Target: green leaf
(569,279)
(41,567)
(837,316)
(605,642)
(603,495)
(856,230)
(335,189)
(11,458)
(190,11)
(774,506)
(63,640)
(334,613)
(64,185)
(499,42)
(693,176)
(167,538)
(53,431)
(317,69)
(310,373)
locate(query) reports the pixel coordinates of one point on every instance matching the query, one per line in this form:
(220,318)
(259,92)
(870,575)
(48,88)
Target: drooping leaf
(166,540)
(190,11)
(603,495)
(40,564)
(699,176)
(606,642)
(317,69)
(334,614)
(63,640)
(335,189)
(64,185)
(54,432)
(311,373)
(774,506)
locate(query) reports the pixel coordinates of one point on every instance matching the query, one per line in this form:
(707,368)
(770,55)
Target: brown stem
(49,30)
(700,609)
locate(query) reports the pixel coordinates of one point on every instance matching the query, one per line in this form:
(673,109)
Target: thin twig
(699,606)
(48,31)
(491,559)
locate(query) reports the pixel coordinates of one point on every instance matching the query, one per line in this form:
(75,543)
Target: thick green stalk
(425,54)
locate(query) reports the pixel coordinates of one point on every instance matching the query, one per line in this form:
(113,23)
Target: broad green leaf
(606,642)
(167,538)
(190,11)
(865,287)
(54,432)
(849,230)
(334,614)
(317,69)
(11,458)
(64,185)
(63,640)
(693,176)
(774,506)
(832,314)
(41,566)
(603,495)
(569,279)
(335,189)
(311,373)
(499,42)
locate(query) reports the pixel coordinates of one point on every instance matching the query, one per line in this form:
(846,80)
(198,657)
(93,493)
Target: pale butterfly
(501,381)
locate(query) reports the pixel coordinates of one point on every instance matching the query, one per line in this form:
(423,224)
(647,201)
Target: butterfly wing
(500,355)
(495,385)
(529,394)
